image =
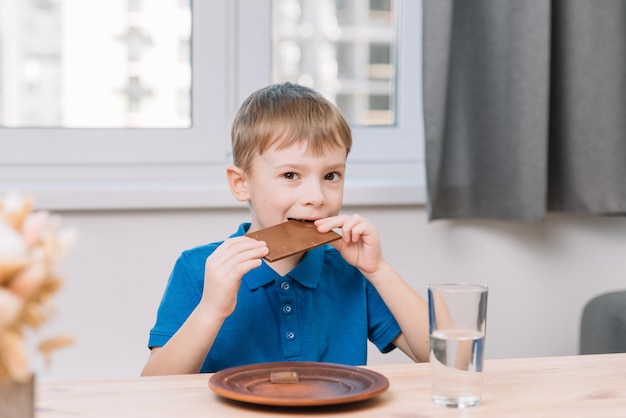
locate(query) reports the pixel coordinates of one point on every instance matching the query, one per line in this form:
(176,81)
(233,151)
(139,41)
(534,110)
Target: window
(342,51)
(89,162)
(93,64)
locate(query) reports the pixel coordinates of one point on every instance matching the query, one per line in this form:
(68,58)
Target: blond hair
(287,114)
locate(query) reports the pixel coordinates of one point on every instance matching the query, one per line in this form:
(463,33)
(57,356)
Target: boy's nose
(313,194)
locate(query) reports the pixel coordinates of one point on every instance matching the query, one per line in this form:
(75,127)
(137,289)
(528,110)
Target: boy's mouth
(300,220)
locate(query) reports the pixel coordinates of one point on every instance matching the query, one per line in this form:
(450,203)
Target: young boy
(225,306)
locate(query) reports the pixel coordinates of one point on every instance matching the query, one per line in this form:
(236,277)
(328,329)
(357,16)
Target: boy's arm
(408,308)
(360,246)
(186,351)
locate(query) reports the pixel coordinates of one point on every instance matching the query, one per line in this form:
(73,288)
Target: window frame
(183,168)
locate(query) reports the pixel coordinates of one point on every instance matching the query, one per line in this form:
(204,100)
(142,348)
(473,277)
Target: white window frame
(96,169)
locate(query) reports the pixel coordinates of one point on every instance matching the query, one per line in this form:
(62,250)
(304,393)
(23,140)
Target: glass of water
(458,318)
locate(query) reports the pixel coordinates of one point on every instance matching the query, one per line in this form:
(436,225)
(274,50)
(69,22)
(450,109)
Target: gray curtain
(524,107)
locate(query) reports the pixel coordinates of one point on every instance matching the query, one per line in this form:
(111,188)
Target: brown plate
(318,384)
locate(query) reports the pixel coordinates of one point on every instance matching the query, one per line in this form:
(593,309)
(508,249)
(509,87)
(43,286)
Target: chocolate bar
(292,237)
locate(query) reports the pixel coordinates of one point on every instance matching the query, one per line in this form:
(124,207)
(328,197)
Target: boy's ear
(237,183)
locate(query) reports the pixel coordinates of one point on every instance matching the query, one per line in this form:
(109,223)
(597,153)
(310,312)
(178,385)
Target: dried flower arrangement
(31,244)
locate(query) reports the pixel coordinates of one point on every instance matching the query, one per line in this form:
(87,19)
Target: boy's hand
(360,245)
(224,269)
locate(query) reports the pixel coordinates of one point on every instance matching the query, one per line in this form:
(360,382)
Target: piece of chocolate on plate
(291,237)
(284,377)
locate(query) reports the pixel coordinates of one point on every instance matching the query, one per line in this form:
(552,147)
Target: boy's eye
(332,176)
(290,175)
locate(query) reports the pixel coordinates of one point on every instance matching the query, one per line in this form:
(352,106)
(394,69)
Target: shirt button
(290,335)
(287,309)
(285,285)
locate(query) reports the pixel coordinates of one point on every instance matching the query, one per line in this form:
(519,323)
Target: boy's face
(291,183)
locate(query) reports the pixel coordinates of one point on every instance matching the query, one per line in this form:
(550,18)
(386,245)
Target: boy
(224,306)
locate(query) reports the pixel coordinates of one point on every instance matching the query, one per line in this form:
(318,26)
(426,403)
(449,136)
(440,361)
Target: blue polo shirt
(323,310)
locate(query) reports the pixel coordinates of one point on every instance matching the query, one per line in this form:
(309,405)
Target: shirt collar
(307,272)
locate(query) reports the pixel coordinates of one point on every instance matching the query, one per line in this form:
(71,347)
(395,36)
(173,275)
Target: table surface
(568,386)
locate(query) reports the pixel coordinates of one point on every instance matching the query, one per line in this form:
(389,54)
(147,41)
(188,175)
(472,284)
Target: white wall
(539,277)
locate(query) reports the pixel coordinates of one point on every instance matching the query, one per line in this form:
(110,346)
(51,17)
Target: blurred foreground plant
(31,244)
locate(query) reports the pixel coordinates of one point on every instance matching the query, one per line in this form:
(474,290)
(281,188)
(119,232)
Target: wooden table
(571,386)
